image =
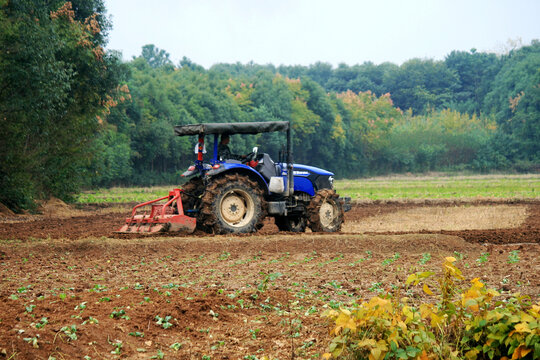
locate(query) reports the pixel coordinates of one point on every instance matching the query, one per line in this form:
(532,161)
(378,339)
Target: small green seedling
(70,331)
(513,257)
(44,321)
(482,259)
(164,322)
(425,258)
(33,341)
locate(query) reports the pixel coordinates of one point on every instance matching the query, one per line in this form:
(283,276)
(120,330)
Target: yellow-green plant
(462,323)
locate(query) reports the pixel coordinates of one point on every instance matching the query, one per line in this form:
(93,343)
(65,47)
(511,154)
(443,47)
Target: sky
(303,32)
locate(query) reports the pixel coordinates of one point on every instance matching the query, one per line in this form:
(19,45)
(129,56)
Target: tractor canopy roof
(231,128)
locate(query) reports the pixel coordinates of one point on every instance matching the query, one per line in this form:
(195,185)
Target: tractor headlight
(331,181)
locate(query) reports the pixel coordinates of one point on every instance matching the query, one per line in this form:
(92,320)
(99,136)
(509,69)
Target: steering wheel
(252,155)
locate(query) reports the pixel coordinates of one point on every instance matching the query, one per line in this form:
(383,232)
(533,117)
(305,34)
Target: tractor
(235,196)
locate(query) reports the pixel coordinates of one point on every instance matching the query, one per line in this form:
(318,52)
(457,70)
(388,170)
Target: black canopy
(231,128)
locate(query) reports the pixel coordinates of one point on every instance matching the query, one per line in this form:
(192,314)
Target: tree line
(74,115)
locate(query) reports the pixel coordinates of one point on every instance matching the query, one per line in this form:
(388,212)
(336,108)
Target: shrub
(461,324)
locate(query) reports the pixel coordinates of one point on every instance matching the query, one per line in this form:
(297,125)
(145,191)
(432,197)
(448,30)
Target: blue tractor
(235,196)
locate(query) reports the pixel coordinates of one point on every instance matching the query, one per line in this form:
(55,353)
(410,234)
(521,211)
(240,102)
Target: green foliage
(463,323)
(515,102)
(56,82)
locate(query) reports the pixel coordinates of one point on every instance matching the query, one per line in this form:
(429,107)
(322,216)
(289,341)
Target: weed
(176,346)
(136,334)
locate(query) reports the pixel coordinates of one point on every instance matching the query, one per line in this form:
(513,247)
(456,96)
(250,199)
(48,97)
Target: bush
(462,324)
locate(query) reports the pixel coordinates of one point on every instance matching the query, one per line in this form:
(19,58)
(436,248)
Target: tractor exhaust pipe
(290,172)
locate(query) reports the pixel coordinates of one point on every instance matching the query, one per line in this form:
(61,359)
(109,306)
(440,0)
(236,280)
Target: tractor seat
(266,167)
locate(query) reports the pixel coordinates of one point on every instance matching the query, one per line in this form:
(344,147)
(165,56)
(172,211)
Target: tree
(155,57)
(421,85)
(56,80)
(514,100)
(476,72)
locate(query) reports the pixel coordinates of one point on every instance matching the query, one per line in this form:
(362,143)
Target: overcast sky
(303,32)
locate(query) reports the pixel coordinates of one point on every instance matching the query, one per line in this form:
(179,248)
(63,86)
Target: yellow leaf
(477,283)
(379,351)
(410,279)
(436,319)
(345,311)
(367,342)
(327,356)
(471,354)
(520,352)
(522,327)
(450,259)
(427,289)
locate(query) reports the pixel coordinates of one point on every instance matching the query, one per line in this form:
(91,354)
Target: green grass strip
(384,188)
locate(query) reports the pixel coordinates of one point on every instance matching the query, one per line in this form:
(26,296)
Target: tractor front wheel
(291,223)
(232,204)
(325,212)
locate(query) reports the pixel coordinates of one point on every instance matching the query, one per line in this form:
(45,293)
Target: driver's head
(225,139)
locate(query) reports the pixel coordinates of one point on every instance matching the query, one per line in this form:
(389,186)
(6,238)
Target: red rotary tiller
(168,216)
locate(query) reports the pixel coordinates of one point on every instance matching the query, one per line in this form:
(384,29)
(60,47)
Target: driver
(224,152)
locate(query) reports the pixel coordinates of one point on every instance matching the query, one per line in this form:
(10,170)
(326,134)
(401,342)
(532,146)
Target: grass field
(383,188)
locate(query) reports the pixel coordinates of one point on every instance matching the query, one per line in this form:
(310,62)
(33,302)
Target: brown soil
(227,296)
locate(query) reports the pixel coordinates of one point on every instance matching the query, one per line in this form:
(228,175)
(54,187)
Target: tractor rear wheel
(291,223)
(232,204)
(325,212)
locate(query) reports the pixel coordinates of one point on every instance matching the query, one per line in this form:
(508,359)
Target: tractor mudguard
(239,167)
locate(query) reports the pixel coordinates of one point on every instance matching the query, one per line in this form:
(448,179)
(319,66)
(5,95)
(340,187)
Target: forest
(74,115)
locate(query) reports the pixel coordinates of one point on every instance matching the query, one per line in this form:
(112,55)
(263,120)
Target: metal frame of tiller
(162,217)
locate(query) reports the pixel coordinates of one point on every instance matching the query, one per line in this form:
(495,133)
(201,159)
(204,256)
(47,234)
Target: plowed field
(71,289)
